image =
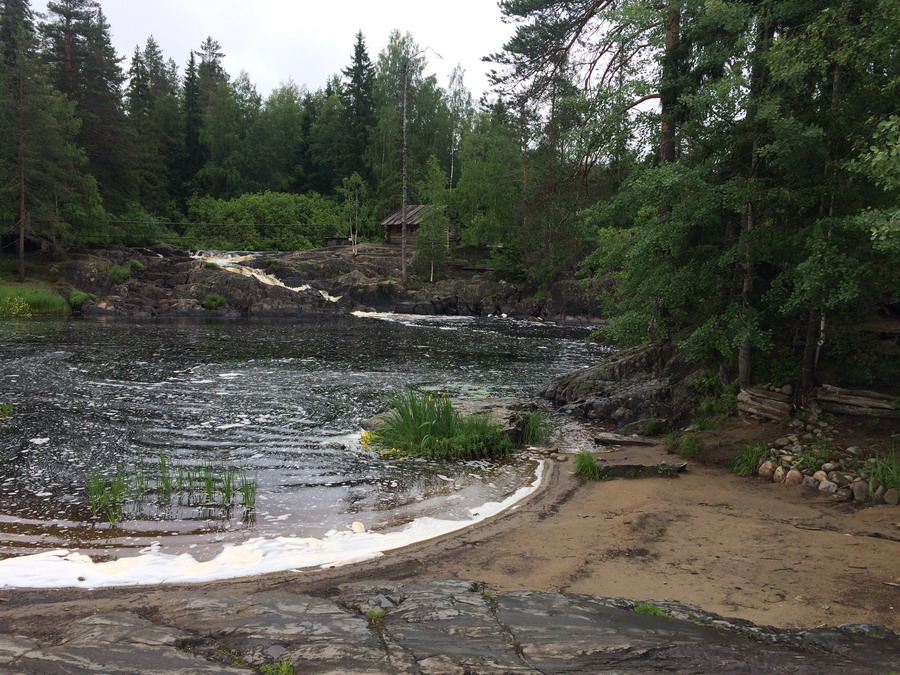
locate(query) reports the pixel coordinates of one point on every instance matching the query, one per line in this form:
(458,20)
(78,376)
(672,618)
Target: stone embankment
(809,457)
(443,626)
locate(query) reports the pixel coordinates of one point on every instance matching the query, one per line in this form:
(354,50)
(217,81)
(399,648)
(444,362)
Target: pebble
(779,475)
(829,466)
(809,481)
(820,476)
(860,490)
(782,442)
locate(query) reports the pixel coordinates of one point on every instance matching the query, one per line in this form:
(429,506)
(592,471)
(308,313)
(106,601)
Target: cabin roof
(413,216)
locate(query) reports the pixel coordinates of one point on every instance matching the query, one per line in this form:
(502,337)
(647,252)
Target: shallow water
(281,402)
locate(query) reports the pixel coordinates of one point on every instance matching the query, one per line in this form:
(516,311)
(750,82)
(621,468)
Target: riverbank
(739,547)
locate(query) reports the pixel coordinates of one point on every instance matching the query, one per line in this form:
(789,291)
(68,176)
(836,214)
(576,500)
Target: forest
(724,173)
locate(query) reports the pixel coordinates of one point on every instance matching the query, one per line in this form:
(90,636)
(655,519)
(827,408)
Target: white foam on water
(63,568)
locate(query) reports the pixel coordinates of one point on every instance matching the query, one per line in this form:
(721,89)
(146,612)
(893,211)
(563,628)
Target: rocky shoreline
(165,282)
(441,626)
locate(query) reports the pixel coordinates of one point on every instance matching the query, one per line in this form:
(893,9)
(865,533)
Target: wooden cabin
(393,224)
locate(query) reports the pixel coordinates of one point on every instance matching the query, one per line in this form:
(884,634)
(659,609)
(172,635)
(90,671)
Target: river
(279,402)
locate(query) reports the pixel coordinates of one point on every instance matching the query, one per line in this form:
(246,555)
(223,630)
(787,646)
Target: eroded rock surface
(447,626)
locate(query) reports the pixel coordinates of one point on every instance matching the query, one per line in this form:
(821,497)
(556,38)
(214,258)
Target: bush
(653,427)
(78,298)
(212,301)
(427,426)
(688,446)
(118,274)
(748,460)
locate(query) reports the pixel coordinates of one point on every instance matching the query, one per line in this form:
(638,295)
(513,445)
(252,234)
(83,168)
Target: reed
(248,488)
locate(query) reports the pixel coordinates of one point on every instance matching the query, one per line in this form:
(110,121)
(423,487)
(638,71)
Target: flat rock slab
(446,626)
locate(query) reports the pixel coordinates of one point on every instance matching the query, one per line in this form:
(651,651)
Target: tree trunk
(23,213)
(808,377)
(403,173)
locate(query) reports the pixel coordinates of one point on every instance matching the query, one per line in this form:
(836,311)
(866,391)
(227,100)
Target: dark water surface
(280,401)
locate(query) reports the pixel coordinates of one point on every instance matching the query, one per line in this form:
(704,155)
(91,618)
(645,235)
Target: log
(858,392)
(857,402)
(764,403)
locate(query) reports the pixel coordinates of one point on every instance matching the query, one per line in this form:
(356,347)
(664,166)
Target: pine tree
(85,67)
(359,105)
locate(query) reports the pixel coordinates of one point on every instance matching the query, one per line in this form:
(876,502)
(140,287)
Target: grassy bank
(28,300)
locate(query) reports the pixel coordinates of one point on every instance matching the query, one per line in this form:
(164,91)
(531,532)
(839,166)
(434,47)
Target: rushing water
(280,401)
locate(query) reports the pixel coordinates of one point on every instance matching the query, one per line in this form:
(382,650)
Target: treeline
(99,149)
(750,154)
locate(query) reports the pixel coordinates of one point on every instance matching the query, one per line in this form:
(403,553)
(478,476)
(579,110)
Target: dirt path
(740,547)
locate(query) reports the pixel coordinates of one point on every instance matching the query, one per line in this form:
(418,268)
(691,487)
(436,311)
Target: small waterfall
(234,261)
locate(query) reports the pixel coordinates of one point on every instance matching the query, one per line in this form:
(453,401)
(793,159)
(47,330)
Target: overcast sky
(306,40)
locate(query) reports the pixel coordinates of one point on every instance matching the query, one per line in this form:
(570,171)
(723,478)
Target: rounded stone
(827,486)
(843,495)
(767,469)
(793,477)
(782,442)
(820,476)
(779,475)
(860,490)
(892,497)
(787,389)
(829,466)
(809,481)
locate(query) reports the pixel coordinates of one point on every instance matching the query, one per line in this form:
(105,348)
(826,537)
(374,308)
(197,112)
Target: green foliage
(653,427)
(427,426)
(585,466)
(686,445)
(886,470)
(277,668)
(213,301)
(78,298)
(6,409)
(538,428)
(649,609)
(749,458)
(20,301)
(118,274)
(815,455)
(261,221)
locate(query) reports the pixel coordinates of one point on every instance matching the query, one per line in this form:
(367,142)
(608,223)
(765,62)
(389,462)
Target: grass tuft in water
(248,487)
(427,426)
(538,428)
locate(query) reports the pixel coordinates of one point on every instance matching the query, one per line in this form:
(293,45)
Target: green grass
(653,427)
(78,298)
(586,466)
(886,472)
(25,301)
(376,615)
(538,428)
(685,445)
(747,461)
(277,668)
(817,454)
(213,301)
(425,425)
(6,409)
(118,274)
(649,609)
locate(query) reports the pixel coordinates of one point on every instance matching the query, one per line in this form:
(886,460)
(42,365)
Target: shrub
(118,274)
(427,426)
(212,301)
(747,461)
(135,264)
